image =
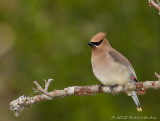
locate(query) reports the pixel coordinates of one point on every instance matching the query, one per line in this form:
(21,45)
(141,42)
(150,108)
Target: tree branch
(155,5)
(23,102)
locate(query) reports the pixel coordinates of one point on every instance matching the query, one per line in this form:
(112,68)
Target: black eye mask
(97,43)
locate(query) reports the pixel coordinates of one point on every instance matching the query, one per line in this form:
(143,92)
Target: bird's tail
(135,98)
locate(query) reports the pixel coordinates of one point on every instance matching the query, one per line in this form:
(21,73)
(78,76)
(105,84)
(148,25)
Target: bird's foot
(100,87)
(112,89)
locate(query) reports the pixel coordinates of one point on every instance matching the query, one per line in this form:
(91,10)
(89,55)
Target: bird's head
(98,40)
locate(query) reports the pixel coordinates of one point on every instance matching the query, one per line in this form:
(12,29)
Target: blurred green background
(41,39)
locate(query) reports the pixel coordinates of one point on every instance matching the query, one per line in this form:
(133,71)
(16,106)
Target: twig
(23,102)
(158,76)
(155,5)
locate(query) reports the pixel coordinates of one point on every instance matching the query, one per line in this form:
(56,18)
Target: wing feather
(118,57)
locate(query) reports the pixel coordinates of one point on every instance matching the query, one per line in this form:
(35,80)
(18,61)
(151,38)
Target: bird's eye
(97,43)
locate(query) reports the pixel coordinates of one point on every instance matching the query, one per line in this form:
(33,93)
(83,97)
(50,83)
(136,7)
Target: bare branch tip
(35,82)
(35,90)
(157,75)
(45,81)
(155,4)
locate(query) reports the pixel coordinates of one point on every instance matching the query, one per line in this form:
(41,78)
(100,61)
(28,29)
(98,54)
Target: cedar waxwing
(110,67)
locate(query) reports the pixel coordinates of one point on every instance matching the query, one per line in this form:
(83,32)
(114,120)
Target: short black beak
(90,44)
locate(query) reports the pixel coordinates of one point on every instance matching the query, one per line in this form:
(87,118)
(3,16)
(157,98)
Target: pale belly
(112,74)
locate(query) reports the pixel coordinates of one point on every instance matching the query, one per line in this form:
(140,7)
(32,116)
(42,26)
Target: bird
(110,67)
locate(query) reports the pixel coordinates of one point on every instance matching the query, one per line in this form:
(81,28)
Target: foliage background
(41,39)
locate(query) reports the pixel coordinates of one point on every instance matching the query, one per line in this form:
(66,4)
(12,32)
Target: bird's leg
(100,87)
(112,89)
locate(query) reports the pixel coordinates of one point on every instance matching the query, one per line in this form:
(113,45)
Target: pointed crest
(99,36)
